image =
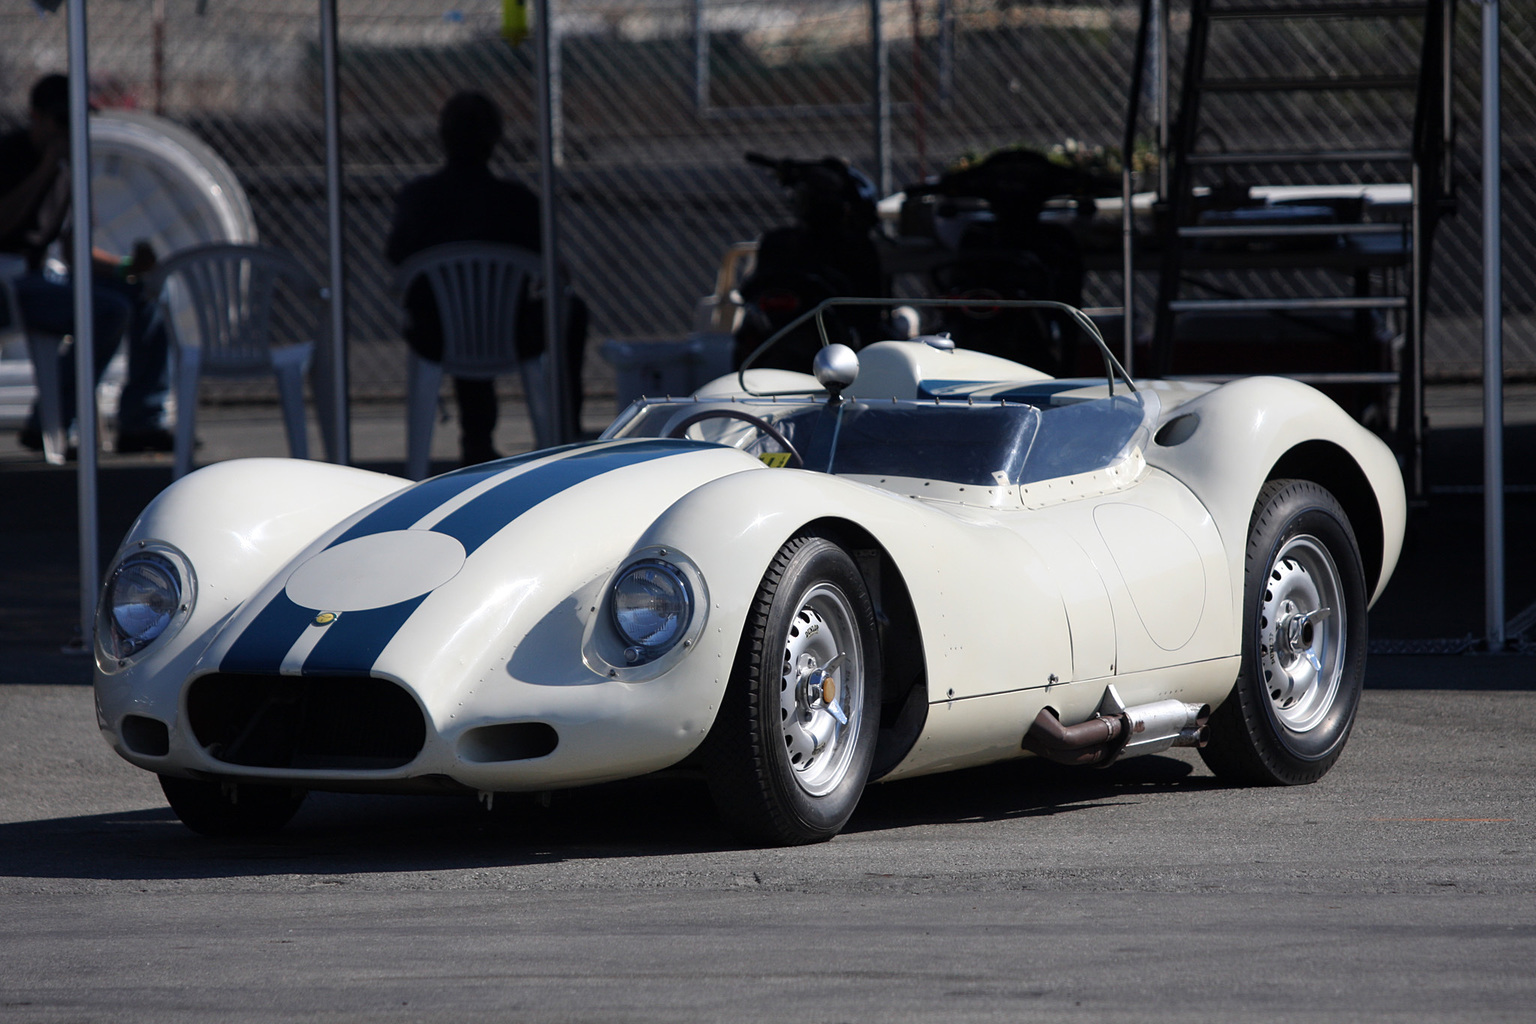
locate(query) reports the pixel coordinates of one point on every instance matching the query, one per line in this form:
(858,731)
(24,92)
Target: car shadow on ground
(657,816)
(1019,789)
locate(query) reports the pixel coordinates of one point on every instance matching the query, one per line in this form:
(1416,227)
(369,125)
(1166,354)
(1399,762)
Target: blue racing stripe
(483,518)
(356,639)
(266,641)
(400,512)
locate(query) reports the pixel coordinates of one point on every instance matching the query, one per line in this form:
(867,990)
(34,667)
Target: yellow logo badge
(326,618)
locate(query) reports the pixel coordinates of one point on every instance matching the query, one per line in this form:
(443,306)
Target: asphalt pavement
(1398,889)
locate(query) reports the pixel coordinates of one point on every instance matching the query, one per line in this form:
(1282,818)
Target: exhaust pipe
(1117,731)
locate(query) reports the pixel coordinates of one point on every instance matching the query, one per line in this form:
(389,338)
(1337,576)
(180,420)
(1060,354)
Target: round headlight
(652,605)
(145,594)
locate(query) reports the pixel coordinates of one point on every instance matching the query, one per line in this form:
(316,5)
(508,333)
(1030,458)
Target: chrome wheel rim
(1302,626)
(821,689)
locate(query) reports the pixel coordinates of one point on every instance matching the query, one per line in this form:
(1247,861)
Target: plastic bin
(659,367)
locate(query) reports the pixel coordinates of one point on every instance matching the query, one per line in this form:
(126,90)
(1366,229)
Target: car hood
(444,578)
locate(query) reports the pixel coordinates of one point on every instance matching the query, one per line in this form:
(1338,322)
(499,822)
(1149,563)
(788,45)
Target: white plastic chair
(218,302)
(479,288)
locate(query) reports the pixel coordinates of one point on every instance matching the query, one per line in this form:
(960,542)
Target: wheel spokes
(1300,636)
(815,686)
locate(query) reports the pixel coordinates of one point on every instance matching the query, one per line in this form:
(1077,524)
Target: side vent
(515,741)
(1177,430)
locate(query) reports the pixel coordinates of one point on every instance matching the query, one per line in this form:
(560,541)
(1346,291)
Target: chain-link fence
(658,100)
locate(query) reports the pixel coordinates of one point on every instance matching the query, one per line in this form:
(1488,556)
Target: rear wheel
(791,748)
(231,808)
(1304,642)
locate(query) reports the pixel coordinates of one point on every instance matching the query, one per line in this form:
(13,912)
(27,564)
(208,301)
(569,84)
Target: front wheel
(791,748)
(1304,642)
(231,809)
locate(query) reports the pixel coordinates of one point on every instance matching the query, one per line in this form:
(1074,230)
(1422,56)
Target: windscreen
(1043,437)
(964,444)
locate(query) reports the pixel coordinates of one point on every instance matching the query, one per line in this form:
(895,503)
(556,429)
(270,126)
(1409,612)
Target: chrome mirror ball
(836,367)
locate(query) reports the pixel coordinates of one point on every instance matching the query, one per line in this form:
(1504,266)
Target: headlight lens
(652,605)
(148,592)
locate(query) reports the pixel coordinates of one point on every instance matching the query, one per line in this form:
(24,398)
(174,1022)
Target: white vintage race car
(919,560)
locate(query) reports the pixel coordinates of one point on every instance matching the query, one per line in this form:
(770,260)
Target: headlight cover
(149,594)
(652,603)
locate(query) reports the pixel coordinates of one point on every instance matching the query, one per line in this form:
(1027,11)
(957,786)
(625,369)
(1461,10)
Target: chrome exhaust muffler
(1118,731)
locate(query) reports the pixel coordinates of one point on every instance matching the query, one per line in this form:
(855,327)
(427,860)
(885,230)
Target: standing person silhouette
(34,212)
(464,202)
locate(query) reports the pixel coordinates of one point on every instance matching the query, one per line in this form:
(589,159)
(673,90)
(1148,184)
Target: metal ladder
(1220,256)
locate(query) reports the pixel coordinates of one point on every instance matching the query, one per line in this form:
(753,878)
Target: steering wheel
(761,424)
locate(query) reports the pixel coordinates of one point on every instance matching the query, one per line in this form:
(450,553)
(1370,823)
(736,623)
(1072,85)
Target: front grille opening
(515,741)
(342,723)
(147,737)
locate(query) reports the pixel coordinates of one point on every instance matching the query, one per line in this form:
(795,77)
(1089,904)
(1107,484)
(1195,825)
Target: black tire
(1298,687)
(782,768)
(231,809)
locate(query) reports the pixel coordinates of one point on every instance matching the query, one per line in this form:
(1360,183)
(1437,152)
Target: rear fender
(1255,428)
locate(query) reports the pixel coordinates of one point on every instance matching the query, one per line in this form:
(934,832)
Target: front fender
(239,520)
(989,617)
(237,523)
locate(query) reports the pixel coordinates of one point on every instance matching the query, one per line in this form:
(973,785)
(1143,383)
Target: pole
(700,59)
(1144,31)
(85,341)
(159,56)
(554,340)
(946,19)
(1161,26)
(336,377)
(919,115)
(1493,338)
(882,74)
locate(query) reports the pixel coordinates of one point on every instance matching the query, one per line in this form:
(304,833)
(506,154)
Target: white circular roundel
(376,571)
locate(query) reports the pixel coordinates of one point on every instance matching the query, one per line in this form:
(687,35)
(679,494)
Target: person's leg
(530,344)
(141,408)
(50,306)
(575,358)
(477,419)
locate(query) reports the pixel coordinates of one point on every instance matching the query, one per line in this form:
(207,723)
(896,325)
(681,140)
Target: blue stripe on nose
(499,507)
(354,641)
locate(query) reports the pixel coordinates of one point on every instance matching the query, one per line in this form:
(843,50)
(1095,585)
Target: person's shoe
(31,438)
(152,440)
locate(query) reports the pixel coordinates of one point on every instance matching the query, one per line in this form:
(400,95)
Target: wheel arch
(1328,465)
(1263,428)
(904,676)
